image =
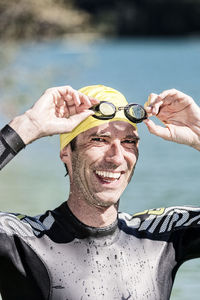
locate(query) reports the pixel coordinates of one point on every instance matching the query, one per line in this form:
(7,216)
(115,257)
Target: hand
(58,110)
(180,115)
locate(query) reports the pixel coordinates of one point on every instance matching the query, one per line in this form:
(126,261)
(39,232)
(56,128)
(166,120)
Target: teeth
(108,174)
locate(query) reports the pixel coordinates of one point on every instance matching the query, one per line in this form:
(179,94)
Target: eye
(98,139)
(130,143)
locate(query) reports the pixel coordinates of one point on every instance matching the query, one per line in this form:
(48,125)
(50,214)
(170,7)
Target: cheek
(92,157)
(77,166)
(131,159)
(80,168)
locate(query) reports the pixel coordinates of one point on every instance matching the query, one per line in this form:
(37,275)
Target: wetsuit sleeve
(10,144)
(186,238)
(181,226)
(178,225)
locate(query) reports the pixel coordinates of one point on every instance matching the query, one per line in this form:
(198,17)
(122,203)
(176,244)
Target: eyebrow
(107,134)
(134,137)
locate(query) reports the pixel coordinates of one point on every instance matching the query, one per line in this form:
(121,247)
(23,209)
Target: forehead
(117,129)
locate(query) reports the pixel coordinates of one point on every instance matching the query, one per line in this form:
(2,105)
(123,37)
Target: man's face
(103,162)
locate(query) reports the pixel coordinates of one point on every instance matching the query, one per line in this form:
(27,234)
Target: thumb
(157,130)
(67,125)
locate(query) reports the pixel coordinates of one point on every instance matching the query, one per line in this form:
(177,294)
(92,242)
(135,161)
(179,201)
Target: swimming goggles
(107,110)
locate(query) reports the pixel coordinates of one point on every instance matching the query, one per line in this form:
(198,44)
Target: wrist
(196,129)
(197,147)
(25,127)
(10,137)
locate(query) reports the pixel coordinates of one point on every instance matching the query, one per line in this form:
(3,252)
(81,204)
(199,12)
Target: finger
(68,99)
(57,113)
(60,114)
(83,107)
(72,110)
(176,97)
(61,92)
(87,102)
(62,110)
(152,97)
(94,101)
(156,107)
(66,112)
(76,97)
(70,95)
(173,94)
(170,92)
(60,102)
(157,130)
(153,104)
(80,100)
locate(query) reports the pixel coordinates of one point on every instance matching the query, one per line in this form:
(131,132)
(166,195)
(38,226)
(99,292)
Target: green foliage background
(25,19)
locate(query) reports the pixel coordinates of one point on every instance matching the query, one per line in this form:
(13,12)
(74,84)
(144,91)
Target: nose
(115,154)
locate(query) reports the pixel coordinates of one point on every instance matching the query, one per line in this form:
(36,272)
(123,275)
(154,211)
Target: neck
(91,215)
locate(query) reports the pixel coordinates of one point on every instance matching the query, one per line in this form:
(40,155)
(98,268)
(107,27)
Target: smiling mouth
(108,176)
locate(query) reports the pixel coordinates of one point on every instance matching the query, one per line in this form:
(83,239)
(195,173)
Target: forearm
(21,131)
(10,144)
(26,127)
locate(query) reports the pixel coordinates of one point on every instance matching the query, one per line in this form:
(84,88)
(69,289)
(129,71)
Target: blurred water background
(167,174)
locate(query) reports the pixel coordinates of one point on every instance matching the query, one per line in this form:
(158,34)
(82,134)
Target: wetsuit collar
(92,231)
(79,229)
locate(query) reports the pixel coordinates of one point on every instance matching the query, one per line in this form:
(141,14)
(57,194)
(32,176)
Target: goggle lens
(106,110)
(135,113)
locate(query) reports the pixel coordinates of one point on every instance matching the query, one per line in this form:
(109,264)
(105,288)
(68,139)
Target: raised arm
(58,110)
(180,115)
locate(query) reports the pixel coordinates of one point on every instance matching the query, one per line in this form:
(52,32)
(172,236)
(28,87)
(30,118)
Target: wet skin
(102,163)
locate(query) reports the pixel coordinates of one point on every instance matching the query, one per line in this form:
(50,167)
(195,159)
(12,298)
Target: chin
(106,204)
(101,199)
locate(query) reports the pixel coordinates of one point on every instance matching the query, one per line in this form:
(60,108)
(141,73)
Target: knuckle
(68,87)
(50,90)
(152,95)
(47,91)
(175,91)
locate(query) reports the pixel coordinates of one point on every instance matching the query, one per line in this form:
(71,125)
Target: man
(85,249)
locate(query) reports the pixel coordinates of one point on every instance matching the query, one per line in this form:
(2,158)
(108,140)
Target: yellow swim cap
(102,93)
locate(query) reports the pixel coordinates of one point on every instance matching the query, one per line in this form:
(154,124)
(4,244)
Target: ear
(65,154)
(66,157)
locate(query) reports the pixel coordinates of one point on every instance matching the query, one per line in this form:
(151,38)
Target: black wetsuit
(55,256)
